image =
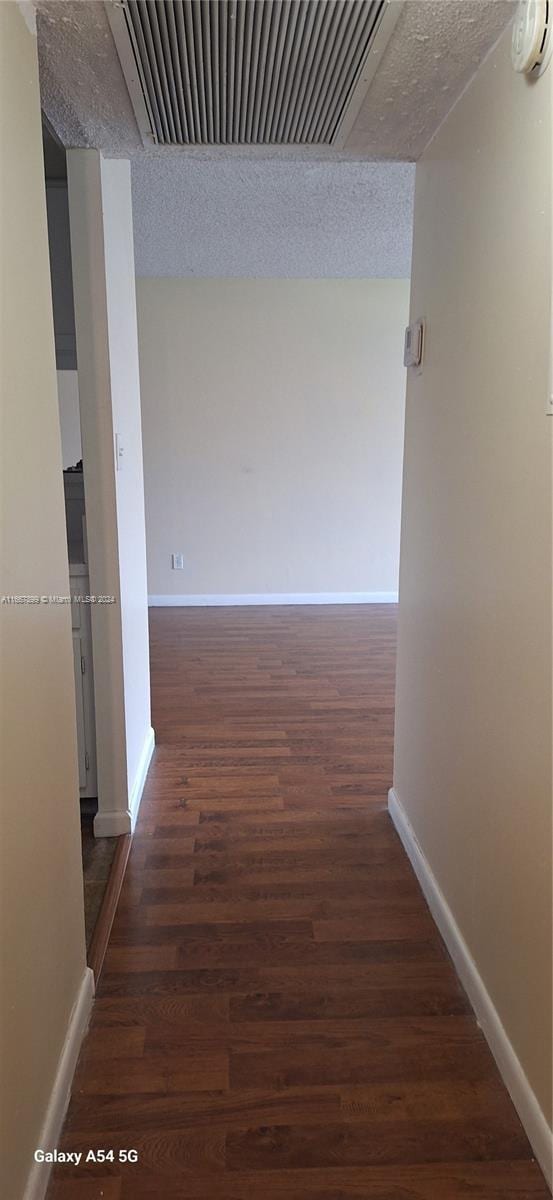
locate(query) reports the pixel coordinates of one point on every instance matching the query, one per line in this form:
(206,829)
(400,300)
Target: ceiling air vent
(249,72)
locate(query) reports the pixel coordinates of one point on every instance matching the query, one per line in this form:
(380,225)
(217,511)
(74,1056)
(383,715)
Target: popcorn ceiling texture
(83,91)
(278,211)
(283,219)
(435,49)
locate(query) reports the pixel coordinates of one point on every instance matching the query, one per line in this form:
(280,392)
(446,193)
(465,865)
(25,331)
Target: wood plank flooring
(277,1018)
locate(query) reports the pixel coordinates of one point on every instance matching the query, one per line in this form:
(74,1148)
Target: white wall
(272,417)
(43,968)
(473,729)
(70,419)
(125,396)
(105,314)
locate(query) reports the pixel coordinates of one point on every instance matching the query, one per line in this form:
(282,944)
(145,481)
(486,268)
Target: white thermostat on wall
(414,344)
(532,36)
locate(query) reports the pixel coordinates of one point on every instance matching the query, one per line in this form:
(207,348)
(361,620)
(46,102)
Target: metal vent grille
(223,72)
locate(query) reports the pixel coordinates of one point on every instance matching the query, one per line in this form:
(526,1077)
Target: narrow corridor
(277,1018)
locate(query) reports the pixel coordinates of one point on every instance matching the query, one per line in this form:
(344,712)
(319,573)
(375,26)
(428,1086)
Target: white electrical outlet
(177,562)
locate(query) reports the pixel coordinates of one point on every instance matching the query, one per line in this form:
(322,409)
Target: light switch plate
(119,452)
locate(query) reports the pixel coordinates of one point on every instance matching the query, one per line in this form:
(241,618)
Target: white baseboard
(37,1181)
(112,823)
(537,1129)
(232,600)
(118,821)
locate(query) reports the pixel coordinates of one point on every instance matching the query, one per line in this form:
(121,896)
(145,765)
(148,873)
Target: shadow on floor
(98,855)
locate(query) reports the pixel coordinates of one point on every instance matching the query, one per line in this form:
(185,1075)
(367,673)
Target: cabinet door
(79,699)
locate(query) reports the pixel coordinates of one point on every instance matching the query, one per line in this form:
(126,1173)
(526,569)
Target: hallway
(277,1017)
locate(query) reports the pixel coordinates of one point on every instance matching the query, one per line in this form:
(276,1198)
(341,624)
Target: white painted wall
(105,312)
(125,397)
(43,968)
(70,419)
(473,728)
(273,434)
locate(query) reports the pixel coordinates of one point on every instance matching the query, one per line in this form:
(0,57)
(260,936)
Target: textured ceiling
(258,211)
(435,49)
(272,218)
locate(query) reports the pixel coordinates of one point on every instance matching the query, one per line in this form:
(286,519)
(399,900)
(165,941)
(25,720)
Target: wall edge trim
(140,777)
(113,822)
(39,1174)
(234,599)
(524,1099)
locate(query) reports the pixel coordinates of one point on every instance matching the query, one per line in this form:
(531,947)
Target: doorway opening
(98,853)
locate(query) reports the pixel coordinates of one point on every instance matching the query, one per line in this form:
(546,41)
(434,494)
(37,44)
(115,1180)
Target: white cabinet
(84,681)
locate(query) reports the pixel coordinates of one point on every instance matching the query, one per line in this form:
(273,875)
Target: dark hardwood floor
(277,1018)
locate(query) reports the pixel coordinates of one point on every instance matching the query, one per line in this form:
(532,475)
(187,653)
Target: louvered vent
(223,72)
